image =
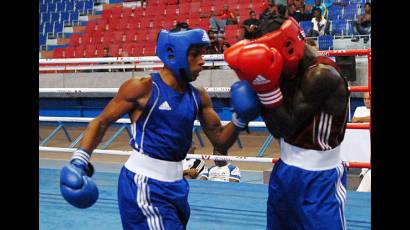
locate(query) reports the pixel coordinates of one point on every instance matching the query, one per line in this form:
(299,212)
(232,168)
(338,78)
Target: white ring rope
(191,156)
(209,57)
(199,156)
(254,124)
(115,90)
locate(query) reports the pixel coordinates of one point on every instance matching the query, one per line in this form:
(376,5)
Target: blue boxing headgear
(172,49)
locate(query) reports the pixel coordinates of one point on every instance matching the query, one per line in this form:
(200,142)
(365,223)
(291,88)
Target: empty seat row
(114,50)
(60,17)
(48,27)
(66,6)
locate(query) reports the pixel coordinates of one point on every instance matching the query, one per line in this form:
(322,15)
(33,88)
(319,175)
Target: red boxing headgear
(289,41)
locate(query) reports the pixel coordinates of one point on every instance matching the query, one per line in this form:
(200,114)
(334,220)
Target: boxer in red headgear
(304,105)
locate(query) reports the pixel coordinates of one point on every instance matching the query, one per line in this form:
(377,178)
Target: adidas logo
(259,80)
(164,106)
(205,37)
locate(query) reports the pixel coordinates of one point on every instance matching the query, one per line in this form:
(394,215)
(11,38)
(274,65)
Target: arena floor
(214,205)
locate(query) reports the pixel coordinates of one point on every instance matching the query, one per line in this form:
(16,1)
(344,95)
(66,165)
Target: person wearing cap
(152,193)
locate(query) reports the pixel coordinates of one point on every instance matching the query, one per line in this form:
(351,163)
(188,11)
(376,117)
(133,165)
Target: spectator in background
(212,36)
(325,5)
(219,20)
(363,24)
(320,26)
(218,43)
(192,167)
(180,26)
(297,11)
(106,52)
(362,114)
(251,26)
(221,171)
(269,13)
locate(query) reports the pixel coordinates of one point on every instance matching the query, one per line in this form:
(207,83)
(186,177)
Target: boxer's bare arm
(320,86)
(221,137)
(126,100)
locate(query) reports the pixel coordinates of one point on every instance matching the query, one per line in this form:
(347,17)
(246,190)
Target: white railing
(148,62)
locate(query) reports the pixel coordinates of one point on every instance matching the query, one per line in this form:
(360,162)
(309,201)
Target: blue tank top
(164,129)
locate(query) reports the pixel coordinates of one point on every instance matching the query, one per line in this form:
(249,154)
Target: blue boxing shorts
(148,203)
(307,190)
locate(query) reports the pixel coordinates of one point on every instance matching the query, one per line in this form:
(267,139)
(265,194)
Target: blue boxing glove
(245,103)
(76,185)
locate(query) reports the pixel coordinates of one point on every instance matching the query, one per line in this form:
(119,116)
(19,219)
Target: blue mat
(214,205)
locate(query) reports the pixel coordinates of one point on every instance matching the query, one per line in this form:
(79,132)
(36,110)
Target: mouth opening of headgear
(171,55)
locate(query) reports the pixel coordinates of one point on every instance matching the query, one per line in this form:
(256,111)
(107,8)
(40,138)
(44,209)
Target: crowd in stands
(132,31)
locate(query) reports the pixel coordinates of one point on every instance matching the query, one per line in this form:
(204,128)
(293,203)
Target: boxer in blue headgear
(173,47)
(152,193)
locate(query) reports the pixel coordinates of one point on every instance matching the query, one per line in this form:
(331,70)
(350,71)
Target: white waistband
(309,159)
(167,171)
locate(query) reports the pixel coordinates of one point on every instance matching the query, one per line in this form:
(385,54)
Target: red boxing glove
(262,67)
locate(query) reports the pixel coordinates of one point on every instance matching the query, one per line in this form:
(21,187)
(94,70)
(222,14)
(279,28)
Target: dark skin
(320,85)
(133,96)
(219,164)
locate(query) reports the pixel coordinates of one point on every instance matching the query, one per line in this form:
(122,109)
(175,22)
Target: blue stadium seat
(46,17)
(350,12)
(338,27)
(55,17)
(69,6)
(73,16)
(41,28)
(64,16)
(89,5)
(306,26)
(325,42)
(43,8)
(58,27)
(335,12)
(51,7)
(349,30)
(48,27)
(60,6)
(42,40)
(79,6)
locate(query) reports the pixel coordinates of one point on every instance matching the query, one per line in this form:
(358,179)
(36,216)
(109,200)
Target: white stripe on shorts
(341,195)
(154,219)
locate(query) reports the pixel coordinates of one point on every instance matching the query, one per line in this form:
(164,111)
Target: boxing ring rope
(252,124)
(199,156)
(147,62)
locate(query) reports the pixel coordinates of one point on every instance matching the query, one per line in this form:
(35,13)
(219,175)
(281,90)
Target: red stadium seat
(131,35)
(59,53)
(90,51)
(69,52)
(91,25)
(106,14)
(79,51)
(74,39)
(113,50)
(85,39)
(144,23)
(101,26)
(149,51)
(127,12)
(99,52)
(116,12)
